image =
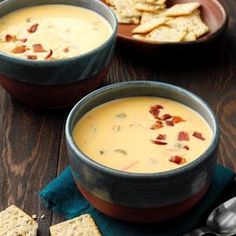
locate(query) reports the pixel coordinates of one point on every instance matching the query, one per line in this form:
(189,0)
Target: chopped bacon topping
(23,40)
(198,135)
(166,117)
(20,49)
(10,38)
(49,55)
(177,160)
(157,125)
(183,136)
(169,123)
(38,48)
(66,49)
(186,147)
(32,57)
(161,137)
(33,28)
(177,119)
(158,142)
(155,110)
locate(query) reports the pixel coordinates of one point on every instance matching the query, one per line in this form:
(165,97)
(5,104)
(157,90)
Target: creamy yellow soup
(142,134)
(52,32)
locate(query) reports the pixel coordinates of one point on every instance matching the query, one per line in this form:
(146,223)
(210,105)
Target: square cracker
(147,16)
(83,225)
(148,7)
(14,222)
(126,8)
(166,34)
(149,26)
(190,23)
(182,9)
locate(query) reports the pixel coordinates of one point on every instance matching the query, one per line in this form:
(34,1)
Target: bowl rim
(64,60)
(110,171)
(205,38)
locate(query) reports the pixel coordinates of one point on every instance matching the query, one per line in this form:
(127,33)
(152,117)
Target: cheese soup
(52,32)
(142,134)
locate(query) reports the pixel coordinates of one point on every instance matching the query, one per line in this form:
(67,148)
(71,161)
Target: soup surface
(142,134)
(52,32)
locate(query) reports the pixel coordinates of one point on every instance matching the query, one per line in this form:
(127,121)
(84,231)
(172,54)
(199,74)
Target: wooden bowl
(141,197)
(212,13)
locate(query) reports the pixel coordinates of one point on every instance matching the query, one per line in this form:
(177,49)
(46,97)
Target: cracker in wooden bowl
(15,222)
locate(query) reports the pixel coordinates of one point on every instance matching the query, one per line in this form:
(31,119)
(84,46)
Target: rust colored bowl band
(52,96)
(144,215)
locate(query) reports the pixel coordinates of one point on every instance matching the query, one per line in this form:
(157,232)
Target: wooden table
(32,142)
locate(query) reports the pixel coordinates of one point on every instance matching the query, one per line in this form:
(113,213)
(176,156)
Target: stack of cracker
(181,22)
(131,11)
(15,222)
(82,225)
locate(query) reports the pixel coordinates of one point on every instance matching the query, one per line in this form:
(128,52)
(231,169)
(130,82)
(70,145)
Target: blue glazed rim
(161,175)
(65,60)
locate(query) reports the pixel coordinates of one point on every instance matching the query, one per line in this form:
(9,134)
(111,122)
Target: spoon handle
(201,231)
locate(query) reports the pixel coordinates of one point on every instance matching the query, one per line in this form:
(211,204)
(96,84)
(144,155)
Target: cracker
(149,26)
(147,16)
(125,20)
(126,8)
(190,36)
(14,222)
(190,23)
(139,36)
(166,34)
(83,225)
(157,2)
(182,9)
(147,7)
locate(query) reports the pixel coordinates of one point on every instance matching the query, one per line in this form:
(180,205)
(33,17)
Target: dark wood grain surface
(32,142)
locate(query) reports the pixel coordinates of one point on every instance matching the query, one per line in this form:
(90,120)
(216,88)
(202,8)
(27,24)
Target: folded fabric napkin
(62,196)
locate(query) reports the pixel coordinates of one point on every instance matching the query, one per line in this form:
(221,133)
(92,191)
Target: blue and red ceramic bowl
(142,197)
(60,83)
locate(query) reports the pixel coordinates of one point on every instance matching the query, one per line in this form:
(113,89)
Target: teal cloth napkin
(61,195)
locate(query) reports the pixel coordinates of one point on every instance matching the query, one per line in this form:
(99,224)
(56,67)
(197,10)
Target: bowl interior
(142,88)
(212,13)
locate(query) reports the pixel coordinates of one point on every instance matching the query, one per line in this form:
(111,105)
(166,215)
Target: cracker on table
(83,225)
(182,9)
(166,34)
(149,26)
(14,221)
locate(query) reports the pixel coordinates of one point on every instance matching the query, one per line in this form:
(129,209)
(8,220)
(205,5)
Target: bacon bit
(33,28)
(23,40)
(66,49)
(155,110)
(10,38)
(198,135)
(183,136)
(49,55)
(186,147)
(158,142)
(177,119)
(38,48)
(32,57)
(161,137)
(131,165)
(170,123)
(20,49)
(177,160)
(157,125)
(166,117)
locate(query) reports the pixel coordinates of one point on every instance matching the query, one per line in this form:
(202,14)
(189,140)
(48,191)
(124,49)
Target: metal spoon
(222,221)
